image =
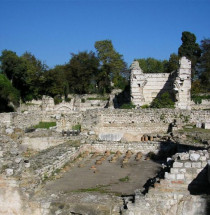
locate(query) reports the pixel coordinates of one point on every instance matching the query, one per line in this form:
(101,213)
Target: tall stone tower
(137,83)
(182,84)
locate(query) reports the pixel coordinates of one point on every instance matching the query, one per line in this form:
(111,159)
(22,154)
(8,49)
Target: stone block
(180,176)
(198,125)
(199,170)
(9,130)
(182,170)
(17,160)
(91,133)
(174,170)
(177,164)
(169,176)
(203,158)
(110,136)
(9,172)
(203,164)
(207,125)
(194,157)
(184,156)
(187,165)
(196,165)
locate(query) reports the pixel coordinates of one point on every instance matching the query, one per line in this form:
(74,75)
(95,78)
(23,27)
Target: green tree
(173,63)
(55,81)
(28,76)
(112,62)
(83,72)
(190,49)
(205,65)
(25,72)
(9,61)
(9,96)
(151,65)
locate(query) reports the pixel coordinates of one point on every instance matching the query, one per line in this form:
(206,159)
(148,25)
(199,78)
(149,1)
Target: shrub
(67,99)
(128,106)
(57,100)
(83,100)
(198,99)
(163,101)
(144,106)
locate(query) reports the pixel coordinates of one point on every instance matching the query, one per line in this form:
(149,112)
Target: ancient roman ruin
(130,162)
(146,86)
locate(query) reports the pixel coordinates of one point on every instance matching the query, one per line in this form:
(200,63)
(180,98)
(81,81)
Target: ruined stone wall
(116,124)
(131,125)
(146,87)
(76,103)
(182,84)
(111,124)
(156,82)
(144,147)
(174,194)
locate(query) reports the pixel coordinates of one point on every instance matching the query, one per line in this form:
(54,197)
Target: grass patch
(98,98)
(99,189)
(76,127)
(46,125)
(125,179)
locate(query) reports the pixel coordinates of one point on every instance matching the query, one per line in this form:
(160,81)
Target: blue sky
(52,29)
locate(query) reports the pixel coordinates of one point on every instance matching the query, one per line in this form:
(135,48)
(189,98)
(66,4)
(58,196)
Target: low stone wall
(45,164)
(144,147)
(76,103)
(42,143)
(112,125)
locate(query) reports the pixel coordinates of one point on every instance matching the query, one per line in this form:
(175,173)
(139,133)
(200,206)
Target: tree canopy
(9,96)
(83,72)
(152,65)
(205,65)
(190,49)
(112,63)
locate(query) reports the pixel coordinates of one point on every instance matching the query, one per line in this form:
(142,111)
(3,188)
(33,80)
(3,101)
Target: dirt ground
(106,178)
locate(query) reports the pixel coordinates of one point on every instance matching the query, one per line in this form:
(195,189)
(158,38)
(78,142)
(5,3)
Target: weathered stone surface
(18,160)
(9,130)
(194,157)
(207,125)
(9,172)
(110,137)
(177,164)
(145,87)
(184,156)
